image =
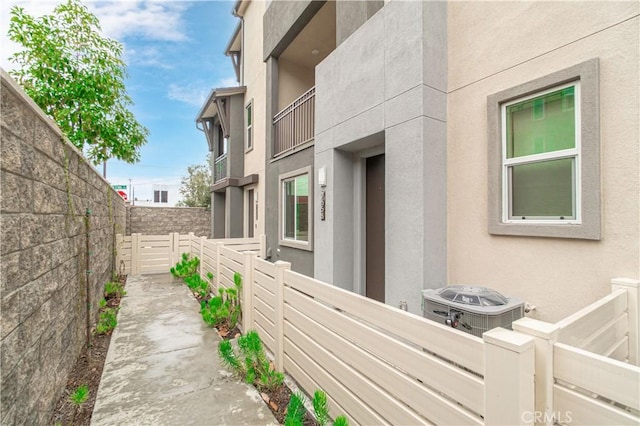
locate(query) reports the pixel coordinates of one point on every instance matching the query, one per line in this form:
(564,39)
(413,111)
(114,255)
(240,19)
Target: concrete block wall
(51,199)
(164,220)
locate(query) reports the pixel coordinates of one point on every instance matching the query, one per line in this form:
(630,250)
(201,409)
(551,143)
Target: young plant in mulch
(198,286)
(223,311)
(108,318)
(296,411)
(186,267)
(250,362)
(78,398)
(113,292)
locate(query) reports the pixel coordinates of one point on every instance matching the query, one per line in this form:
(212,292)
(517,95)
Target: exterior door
(374,206)
(250,213)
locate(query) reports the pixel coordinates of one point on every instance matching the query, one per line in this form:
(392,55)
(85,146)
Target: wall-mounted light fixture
(322,176)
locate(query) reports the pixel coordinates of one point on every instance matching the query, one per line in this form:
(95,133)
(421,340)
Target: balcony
(220,168)
(295,124)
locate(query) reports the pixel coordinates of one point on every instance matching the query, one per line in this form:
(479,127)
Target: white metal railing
(220,168)
(295,124)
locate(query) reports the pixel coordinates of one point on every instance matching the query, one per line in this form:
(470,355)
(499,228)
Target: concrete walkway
(162,367)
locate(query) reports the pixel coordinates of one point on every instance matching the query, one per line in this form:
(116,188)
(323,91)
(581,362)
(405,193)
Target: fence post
(263,246)
(201,256)
(545,335)
(508,377)
(633,306)
(279,313)
(118,250)
(174,238)
(135,254)
(247,291)
(191,238)
(216,274)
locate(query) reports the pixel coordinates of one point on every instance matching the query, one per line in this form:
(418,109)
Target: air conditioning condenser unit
(471,309)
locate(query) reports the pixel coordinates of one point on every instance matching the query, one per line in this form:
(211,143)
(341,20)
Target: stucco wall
(372,85)
(294,81)
(494,46)
(51,200)
(164,220)
(255,80)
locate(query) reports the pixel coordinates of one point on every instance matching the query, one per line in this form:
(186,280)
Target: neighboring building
(232,119)
(155,195)
(298,35)
(409,145)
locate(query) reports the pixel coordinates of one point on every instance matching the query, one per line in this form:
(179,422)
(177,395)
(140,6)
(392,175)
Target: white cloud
(195,93)
(150,20)
(148,56)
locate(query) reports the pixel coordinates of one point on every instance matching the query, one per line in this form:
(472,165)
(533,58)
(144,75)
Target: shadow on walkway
(162,367)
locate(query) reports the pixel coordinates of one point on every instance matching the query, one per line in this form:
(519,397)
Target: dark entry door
(250,217)
(375,228)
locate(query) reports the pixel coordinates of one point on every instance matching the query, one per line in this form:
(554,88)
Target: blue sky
(174,51)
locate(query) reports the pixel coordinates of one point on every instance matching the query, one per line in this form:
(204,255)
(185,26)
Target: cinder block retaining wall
(165,220)
(47,189)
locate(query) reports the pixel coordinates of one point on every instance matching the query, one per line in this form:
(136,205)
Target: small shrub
(295,410)
(186,267)
(251,362)
(199,286)
(80,395)
(114,289)
(224,309)
(341,421)
(320,407)
(108,319)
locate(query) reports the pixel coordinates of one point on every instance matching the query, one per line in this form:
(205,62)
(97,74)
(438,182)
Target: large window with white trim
(544,156)
(296,222)
(541,156)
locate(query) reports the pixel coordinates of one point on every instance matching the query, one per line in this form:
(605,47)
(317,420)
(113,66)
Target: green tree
(195,186)
(76,75)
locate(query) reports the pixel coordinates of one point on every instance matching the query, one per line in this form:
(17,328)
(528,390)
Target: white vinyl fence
(382,365)
(587,367)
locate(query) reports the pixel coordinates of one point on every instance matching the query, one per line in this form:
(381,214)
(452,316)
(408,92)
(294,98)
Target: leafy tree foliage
(195,186)
(76,75)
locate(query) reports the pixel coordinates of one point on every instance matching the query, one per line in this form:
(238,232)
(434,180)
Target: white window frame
(574,153)
(289,242)
(587,223)
(249,126)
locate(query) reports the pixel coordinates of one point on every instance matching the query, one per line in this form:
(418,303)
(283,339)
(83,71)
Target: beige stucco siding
(496,46)
(255,81)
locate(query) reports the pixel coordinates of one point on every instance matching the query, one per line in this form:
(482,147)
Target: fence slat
(399,386)
(607,377)
(297,361)
(457,384)
(460,348)
(575,408)
(576,330)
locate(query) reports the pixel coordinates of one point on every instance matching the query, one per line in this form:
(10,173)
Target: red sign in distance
(123,195)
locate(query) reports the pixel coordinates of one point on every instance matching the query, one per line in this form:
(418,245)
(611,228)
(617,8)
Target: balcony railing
(220,168)
(295,124)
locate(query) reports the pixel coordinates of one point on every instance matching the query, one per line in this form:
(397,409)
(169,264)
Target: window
(249,118)
(296,220)
(543,139)
(222,142)
(541,147)
(160,196)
